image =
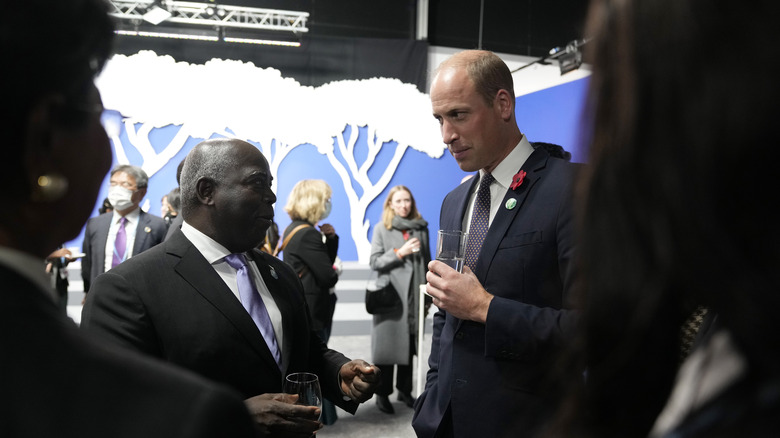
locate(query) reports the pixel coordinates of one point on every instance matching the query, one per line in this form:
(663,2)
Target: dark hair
(105,206)
(51,48)
(138,174)
(672,215)
(178,170)
(174,199)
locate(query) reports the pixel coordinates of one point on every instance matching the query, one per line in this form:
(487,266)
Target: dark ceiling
(522,27)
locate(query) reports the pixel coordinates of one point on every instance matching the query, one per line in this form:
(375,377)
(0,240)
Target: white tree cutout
(239,100)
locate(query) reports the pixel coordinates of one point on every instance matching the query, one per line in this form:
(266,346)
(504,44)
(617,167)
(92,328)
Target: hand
(327,230)
(460,295)
(62,252)
(276,415)
(359,379)
(410,246)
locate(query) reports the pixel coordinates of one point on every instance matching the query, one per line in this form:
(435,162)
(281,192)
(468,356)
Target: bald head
(488,72)
(210,159)
(226,193)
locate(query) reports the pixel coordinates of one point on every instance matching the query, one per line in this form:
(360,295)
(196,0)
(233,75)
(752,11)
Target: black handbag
(381,296)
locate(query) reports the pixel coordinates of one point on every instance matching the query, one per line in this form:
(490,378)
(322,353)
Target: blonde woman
(399,248)
(312,254)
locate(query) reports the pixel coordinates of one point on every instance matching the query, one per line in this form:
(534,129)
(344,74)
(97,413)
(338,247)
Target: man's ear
(141,193)
(204,188)
(504,104)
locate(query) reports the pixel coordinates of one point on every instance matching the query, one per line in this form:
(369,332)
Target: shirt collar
(30,267)
(131,217)
(509,166)
(212,250)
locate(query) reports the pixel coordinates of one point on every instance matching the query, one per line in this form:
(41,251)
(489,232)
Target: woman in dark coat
(312,254)
(399,249)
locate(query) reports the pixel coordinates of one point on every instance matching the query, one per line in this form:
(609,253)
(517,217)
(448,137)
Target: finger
(431,290)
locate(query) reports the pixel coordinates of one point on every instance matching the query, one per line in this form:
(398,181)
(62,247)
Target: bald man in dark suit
(183,302)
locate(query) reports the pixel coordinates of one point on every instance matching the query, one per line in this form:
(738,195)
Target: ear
(504,105)
(205,189)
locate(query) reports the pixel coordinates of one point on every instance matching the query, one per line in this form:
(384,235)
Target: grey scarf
(417,228)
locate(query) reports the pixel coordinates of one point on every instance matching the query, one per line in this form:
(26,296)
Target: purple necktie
(120,244)
(253,303)
(480,219)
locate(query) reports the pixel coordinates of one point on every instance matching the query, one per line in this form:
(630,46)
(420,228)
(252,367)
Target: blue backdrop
(551,115)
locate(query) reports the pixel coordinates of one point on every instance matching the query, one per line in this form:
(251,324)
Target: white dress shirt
(130,228)
(214,253)
(503,174)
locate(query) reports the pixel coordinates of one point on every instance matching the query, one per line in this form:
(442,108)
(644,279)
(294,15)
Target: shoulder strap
(280,248)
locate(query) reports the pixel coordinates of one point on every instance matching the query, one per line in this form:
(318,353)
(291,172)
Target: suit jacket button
(459,335)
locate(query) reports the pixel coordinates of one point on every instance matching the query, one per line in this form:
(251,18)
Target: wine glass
(306,386)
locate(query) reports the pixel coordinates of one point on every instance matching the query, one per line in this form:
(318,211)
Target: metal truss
(214,15)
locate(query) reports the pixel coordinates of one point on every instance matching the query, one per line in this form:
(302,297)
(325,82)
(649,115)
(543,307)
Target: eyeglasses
(124,184)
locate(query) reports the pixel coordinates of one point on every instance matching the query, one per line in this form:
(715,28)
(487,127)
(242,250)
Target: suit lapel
(281,297)
(103,224)
(534,167)
(461,202)
(194,269)
(141,233)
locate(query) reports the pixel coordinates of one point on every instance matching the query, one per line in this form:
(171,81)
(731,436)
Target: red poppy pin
(517,180)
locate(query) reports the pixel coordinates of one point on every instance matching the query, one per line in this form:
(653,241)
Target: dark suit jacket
(170,303)
(526,263)
(174,225)
(150,231)
(59,382)
(313,261)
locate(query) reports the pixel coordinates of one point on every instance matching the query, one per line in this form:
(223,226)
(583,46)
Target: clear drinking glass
(306,386)
(451,248)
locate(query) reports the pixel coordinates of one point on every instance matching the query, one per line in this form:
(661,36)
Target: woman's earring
(49,188)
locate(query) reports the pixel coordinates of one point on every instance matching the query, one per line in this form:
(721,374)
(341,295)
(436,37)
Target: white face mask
(327,210)
(120,197)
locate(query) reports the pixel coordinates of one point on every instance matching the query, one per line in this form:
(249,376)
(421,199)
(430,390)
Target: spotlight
(157,13)
(570,60)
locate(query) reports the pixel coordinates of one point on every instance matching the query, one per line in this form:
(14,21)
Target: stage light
(571,59)
(171,35)
(157,13)
(262,42)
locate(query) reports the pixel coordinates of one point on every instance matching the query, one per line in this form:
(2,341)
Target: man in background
(111,238)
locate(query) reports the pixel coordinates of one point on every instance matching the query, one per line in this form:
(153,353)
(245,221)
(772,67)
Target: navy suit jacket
(170,303)
(150,231)
(492,376)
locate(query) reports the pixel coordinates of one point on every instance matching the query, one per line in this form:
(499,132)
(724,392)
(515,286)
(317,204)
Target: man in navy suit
(503,320)
(141,230)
